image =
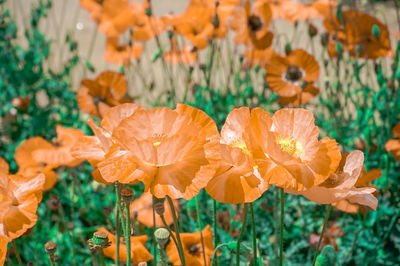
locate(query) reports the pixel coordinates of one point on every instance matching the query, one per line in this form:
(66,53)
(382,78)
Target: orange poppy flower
(192,248)
(240,164)
(298,160)
(251,26)
(369,38)
(146,26)
(195,24)
(94,148)
(187,55)
(285,75)
(353,205)
(118,54)
(60,153)
(309,92)
(142,210)
(94,7)
(28,165)
(19,199)
(3,249)
(116,17)
(139,253)
(341,184)
(293,11)
(98,95)
(167,149)
(259,57)
(393,145)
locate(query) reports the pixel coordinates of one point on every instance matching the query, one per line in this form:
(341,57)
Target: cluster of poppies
(291,75)
(176,153)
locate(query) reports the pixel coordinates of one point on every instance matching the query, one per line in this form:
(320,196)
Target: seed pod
(162,236)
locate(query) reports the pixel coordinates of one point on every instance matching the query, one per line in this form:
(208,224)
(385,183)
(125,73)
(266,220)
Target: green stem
(163,257)
(178,237)
(328,212)
(245,211)
(210,65)
(215,221)
(128,235)
(17,253)
(170,232)
(117,222)
(200,228)
(152,233)
(253,226)
(281,227)
(101,256)
(215,257)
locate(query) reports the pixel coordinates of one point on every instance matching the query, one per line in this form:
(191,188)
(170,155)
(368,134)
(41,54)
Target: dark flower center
(255,23)
(100,1)
(293,73)
(194,250)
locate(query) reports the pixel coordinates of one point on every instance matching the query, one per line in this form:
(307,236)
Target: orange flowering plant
(209,135)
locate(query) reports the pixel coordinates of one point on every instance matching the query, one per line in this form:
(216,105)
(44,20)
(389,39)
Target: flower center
(254,22)
(293,73)
(239,143)
(194,250)
(290,145)
(157,139)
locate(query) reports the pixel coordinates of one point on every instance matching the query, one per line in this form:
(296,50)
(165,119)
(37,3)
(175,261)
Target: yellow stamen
(239,143)
(155,144)
(290,145)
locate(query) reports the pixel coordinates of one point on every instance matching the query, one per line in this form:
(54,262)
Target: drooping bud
(50,248)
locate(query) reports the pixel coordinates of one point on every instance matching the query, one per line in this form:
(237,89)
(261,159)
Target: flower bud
(127,195)
(50,248)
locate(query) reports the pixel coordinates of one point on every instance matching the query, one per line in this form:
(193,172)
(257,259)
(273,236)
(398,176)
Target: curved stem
(328,212)
(253,227)
(200,229)
(170,233)
(214,258)
(245,211)
(281,227)
(178,237)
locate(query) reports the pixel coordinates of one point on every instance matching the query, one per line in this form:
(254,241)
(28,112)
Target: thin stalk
(170,232)
(253,227)
(241,234)
(200,228)
(128,235)
(14,246)
(152,233)
(281,227)
(163,257)
(215,257)
(215,224)
(101,256)
(328,212)
(178,237)
(117,221)
(210,65)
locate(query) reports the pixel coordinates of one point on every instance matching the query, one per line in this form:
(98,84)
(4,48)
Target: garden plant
(235,132)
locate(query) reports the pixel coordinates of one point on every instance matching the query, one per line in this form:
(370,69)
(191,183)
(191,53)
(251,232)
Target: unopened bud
(127,194)
(50,248)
